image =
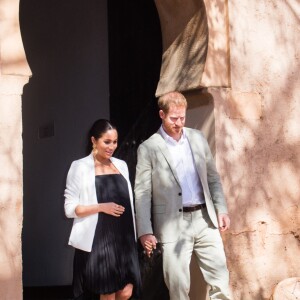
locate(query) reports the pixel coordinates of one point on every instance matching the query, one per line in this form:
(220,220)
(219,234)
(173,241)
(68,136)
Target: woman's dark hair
(99,127)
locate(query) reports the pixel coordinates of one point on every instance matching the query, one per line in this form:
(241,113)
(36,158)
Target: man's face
(174,120)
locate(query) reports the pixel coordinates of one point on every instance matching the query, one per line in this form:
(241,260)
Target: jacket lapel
(197,150)
(119,167)
(167,155)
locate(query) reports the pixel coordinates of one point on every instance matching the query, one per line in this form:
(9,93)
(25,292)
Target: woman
(98,196)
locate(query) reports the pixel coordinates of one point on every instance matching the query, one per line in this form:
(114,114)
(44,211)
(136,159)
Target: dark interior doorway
(89,60)
(66,44)
(135,51)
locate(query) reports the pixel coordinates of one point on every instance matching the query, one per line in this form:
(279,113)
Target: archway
(67,48)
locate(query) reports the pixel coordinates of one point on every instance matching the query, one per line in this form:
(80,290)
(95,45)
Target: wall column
(14,74)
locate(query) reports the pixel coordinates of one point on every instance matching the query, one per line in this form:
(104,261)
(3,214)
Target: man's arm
(143,192)
(214,181)
(216,190)
(143,197)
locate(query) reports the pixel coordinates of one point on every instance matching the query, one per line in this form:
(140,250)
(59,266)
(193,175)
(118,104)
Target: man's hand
(224,222)
(148,242)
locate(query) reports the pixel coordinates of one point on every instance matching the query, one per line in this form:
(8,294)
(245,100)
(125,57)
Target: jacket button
(179,194)
(180,210)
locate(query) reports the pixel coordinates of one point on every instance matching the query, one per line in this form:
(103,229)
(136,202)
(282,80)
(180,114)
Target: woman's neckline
(107,174)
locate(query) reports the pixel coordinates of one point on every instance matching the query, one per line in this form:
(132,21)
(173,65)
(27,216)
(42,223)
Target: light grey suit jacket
(158,199)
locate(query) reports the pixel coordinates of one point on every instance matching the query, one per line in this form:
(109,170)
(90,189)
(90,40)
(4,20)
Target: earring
(95,151)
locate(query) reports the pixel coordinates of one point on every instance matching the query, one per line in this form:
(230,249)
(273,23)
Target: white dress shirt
(182,156)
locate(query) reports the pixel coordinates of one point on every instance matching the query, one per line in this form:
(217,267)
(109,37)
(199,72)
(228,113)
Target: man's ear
(162,114)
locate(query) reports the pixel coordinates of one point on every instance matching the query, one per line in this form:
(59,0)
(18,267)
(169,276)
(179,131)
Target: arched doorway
(88,61)
(100,59)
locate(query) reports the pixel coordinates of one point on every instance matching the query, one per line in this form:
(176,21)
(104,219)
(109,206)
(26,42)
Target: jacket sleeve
(143,192)
(214,181)
(72,191)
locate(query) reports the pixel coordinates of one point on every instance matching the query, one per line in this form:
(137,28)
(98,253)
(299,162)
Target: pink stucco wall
(257,137)
(258,145)
(257,141)
(14,73)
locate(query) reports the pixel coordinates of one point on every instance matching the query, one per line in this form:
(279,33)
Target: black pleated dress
(113,261)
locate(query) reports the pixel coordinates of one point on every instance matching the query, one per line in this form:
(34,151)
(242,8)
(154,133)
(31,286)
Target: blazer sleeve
(72,191)
(214,181)
(143,192)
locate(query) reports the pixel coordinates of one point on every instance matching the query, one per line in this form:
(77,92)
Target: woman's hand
(112,209)
(109,208)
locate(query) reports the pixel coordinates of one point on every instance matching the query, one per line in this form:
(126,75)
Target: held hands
(112,209)
(148,242)
(224,222)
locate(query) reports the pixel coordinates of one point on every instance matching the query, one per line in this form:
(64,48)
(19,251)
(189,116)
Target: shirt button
(180,210)
(179,194)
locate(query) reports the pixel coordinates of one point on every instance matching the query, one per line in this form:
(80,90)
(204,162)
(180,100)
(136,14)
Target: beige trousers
(201,237)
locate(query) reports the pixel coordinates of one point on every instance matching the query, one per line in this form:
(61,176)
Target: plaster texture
(13,61)
(11,193)
(258,154)
(185,41)
(255,90)
(217,64)
(256,132)
(287,289)
(14,73)
(195,45)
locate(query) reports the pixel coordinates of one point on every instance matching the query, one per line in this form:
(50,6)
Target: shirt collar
(169,139)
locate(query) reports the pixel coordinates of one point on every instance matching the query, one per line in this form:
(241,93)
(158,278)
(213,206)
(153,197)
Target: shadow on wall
(185,41)
(66,44)
(195,37)
(200,114)
(10,199)
(217,68)
(260,157)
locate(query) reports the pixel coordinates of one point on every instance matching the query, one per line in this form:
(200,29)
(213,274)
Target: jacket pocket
(159,209)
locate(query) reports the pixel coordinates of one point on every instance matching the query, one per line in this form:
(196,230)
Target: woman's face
(106,144)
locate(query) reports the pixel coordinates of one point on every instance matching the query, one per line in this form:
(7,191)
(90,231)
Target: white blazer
(81,190)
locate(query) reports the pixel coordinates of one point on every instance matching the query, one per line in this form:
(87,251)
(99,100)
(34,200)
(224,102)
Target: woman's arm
(72,190)
(73,208)
(109,208)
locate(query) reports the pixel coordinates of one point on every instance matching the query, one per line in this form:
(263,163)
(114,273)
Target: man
(180,202)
